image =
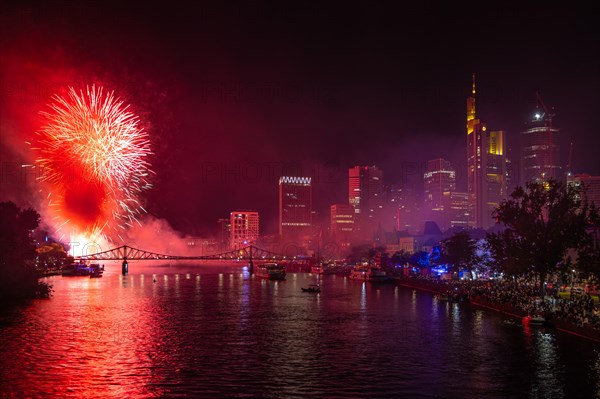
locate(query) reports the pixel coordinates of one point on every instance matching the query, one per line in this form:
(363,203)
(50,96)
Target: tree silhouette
(542,222)
(460,252)
(18,276)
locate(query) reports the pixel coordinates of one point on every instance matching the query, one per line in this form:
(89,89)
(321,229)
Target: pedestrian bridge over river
(126,253)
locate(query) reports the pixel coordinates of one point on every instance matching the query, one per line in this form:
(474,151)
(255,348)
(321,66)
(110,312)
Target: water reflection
(225,333)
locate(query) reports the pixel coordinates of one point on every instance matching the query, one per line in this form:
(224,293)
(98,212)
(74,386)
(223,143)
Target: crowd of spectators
(578,308)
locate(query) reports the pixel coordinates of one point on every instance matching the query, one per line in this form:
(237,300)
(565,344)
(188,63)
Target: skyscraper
(439,182)
(342,224)
(486,167)
(244,228)
(224,232)
(365,191)
(540,147)
(458,209)
(589,185)
(402,208)
(295,207)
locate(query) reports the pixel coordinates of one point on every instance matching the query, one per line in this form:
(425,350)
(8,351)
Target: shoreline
(560,325)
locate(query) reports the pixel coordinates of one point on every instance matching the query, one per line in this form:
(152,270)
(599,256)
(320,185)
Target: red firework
(94,160)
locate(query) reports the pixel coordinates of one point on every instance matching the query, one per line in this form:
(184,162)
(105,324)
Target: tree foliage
(400,257)
(18,275)
(460,251)
(541,223)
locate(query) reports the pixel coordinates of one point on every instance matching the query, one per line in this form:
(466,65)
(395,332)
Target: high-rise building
(458,209)
(486,167)
(224,231)
(295,207)
(365,194)
(402,208)
(589,185)
(342,224)
(540,147)
(244,228)
(439,181)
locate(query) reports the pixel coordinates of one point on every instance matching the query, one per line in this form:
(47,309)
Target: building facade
(244,228)
(439,180)
(402,208)
(540,148)
(365,195)
(295,207)
(224,232)
(458,209)
(342,228)
(589,185)
(486,168)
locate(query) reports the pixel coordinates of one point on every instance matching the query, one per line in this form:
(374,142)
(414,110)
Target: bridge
(125,252)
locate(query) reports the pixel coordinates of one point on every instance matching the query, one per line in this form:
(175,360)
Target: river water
(215,331)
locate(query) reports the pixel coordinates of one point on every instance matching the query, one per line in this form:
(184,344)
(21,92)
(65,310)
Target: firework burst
(94,161)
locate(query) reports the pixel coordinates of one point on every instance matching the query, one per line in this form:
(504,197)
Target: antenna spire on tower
(473,84)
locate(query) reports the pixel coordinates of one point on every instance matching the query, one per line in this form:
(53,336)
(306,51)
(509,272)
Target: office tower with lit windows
(486,167)
(295,207)
(342,224)
(224,231)
(365,195)
(589,186)
(244,228)
(540,147)
(439,181)
(402,208)
(458,208)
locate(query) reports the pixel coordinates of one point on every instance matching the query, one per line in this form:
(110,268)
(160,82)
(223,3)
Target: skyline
(229,91)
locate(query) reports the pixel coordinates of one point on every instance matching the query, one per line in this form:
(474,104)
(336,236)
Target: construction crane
(540,104)
(570,159)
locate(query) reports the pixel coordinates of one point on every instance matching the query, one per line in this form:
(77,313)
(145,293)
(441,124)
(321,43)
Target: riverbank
(442,287)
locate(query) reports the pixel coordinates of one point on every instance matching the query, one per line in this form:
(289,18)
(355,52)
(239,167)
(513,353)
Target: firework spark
(94,159)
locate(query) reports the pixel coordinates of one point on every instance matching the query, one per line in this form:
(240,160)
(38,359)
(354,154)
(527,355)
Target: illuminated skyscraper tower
(295,207)
(540,156)
(439,182)
(365,194)
(486,167)
(244,228)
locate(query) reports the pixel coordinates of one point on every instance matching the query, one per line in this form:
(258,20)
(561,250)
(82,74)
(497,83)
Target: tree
(542,222)
(359,253)
(400,258)
(460,252)
(419,259)
(588,255)
(52,256)
(18,276)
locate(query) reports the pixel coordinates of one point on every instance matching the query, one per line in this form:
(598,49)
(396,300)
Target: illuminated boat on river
(270,271)
(368,273)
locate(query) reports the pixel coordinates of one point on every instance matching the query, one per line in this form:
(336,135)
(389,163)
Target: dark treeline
(19,278)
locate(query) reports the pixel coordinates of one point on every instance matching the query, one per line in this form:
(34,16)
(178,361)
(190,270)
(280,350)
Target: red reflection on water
(98,348)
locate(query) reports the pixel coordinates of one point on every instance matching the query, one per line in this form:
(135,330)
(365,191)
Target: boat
(76,269)
(271,271)
(442,297)
(317,269)
(452,297)
(312,288)
(96,270)
(537,320)
(368,273)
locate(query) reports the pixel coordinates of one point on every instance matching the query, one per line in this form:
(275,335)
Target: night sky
(235,94)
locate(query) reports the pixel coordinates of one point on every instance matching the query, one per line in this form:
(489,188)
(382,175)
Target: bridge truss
(125,252)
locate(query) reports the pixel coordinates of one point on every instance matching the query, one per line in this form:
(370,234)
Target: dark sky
(237,93)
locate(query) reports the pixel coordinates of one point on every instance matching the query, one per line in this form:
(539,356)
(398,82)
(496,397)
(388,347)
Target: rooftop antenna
(540,104)
(570,160)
